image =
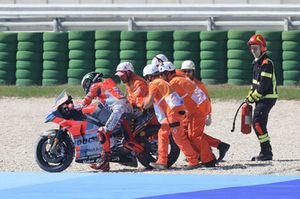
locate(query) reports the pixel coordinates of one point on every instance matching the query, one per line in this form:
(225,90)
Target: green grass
(224,92)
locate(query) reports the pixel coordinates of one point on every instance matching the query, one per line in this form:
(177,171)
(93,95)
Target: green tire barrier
(7,56)
(28,82)
(239,58)
(186,47)
(164,41)
(107,54)
(290,57)
(55,58)
(55,37)
(29,65)
(55,65)
(60,46)
(137,45)
(52,58)
(81,63)
(133,36)
(240,35)
(107,44)
(81,51)
(160,36)
(213,55)
(237,44)
(290,46)
(29,46)
(136,56)
(213,36)
(8,48)
(213,64)
(107,35)
(81,44)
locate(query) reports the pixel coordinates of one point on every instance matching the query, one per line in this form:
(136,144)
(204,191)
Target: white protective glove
(208,120)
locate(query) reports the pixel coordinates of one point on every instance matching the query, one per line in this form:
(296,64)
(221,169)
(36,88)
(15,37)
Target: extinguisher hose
(237,111)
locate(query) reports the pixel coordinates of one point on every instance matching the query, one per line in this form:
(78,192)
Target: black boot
(223,148)
(265,153)
(211,163)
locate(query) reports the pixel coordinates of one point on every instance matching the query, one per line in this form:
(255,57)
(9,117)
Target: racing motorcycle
(134,139)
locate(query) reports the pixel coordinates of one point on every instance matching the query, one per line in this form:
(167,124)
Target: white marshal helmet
(188,65)
(166,66)
(150,69)
(159,59)
(123,67)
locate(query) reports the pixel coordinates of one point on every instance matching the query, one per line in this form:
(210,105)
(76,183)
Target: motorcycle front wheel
(56,160)
(150,154)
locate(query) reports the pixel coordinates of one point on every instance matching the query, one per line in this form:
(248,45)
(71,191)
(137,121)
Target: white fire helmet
(166,66)
(188,65)
(159,59)
(150,69)
(123,67)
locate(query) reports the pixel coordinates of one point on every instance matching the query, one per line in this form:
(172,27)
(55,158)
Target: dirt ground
(22,123)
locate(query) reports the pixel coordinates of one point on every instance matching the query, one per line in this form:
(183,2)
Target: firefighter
(188,67)
(111,97)
(194,100)
(170,112)
(263,93)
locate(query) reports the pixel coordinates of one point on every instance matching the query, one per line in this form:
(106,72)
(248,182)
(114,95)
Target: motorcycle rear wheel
(147,155)
(51,162)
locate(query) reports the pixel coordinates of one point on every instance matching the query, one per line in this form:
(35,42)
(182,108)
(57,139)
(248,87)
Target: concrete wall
(149,1)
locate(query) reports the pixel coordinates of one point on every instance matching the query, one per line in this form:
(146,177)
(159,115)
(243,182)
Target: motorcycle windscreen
(62,98)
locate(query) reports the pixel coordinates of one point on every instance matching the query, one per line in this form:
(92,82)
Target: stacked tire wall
(159,42)
(29,59)
(239,62)
(291,57)
(107,52)
(81,55)
(186,47)
(213,63)
(49,58)
(133,49)
(55,56)
(8,49)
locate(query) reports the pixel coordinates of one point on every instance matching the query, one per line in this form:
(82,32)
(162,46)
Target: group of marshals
(182,106)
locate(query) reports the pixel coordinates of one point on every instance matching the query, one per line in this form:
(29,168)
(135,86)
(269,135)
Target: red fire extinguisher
(246,118)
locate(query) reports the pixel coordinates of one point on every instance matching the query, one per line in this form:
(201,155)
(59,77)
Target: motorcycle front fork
(57,139)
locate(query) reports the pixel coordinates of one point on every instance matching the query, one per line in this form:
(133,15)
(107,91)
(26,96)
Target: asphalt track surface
(40,185)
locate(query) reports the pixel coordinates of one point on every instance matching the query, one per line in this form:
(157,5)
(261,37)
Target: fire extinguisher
(246,118)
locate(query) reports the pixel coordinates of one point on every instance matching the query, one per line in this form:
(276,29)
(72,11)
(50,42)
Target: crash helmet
(89,79)
(150,69)
(188,65)
(159,59)
(166,66)
(258,40)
